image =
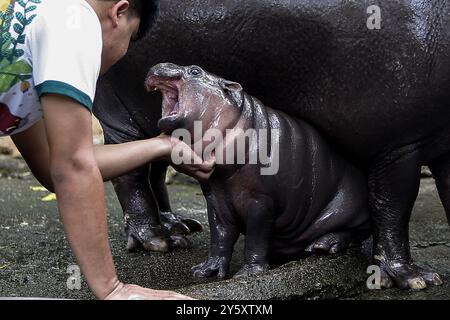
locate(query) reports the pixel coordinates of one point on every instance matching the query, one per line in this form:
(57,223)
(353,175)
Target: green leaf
(21,18)
(6,36)
(21,39)
(3,62)
(6,52)
(13,74)
(31,8)
(22,3)
(18,67)
(30,19)
(18,53)
(36,1)
(6,45)
(18,28)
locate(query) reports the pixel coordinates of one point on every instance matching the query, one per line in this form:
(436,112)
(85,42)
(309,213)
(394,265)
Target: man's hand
(133,292)
(197,168)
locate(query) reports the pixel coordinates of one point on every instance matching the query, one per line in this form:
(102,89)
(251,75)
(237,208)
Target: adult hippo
(381,95)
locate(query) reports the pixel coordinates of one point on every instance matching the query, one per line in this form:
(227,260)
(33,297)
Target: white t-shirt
(46,46)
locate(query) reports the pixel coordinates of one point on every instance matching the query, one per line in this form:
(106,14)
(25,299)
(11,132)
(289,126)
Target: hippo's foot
(142,234)
(251,269)
(406,276)
(333,243)
(176,224)
(213,267)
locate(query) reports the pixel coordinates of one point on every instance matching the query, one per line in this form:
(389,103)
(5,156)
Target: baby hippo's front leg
(259,226)
(223,237)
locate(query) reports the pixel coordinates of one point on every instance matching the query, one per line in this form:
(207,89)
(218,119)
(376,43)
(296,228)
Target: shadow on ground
(34,255)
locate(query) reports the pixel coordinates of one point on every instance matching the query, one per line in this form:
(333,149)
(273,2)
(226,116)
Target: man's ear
(118,10)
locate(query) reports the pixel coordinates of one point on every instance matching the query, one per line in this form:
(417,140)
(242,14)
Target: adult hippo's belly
(382,95)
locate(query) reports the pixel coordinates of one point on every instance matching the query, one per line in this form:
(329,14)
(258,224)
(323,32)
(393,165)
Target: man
(52,52)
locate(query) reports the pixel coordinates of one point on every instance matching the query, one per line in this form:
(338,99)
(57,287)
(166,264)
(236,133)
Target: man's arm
(112,160)
(79,187)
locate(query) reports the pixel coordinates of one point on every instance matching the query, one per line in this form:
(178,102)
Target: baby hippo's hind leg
(335,242)
(345,222)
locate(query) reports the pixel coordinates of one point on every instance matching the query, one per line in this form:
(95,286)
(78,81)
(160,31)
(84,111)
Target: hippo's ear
(230,86)
(233,90)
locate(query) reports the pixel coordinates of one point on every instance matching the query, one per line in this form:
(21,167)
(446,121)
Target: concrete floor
(34,255)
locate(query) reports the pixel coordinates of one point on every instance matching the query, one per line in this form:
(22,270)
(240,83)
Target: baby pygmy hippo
(301,197)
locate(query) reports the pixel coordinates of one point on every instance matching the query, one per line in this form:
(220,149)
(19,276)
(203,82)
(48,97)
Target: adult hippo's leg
(394,182)
(440,168)
(144,227)
(142,224)
(176,224)
(140,199)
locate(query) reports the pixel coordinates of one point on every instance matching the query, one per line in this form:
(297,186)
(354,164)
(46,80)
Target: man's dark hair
(147,10)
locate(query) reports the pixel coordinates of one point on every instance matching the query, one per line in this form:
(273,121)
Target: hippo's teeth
(174,110)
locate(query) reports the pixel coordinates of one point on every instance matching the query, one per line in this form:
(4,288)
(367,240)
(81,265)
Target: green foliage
(13,70)
(13,74)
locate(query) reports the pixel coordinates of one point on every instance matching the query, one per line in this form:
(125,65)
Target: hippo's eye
(195,71)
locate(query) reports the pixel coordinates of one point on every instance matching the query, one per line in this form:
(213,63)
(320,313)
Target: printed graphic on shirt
(13,68)
(15,16)
(42,53)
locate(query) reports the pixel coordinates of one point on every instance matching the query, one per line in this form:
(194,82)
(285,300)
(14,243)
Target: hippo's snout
(167,78)
(161,72)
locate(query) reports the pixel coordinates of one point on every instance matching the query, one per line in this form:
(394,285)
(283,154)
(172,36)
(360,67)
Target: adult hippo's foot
(142,235)
(405,276)
(176,224)
(171,234)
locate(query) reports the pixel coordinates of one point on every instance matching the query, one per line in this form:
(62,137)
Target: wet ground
(34,255)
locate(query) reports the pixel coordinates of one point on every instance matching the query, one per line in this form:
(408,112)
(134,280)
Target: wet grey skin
(380,96)
(313,201)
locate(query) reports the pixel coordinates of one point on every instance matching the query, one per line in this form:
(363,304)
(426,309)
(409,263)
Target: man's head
(122,21)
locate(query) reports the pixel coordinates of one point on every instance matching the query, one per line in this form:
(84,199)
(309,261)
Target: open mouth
(168,87)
